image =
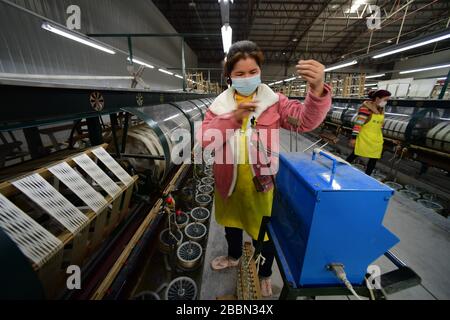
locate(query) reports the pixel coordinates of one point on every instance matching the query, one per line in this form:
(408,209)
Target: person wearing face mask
(367,135)
(249,108)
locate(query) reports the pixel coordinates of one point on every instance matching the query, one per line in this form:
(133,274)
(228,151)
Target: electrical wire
(338,270)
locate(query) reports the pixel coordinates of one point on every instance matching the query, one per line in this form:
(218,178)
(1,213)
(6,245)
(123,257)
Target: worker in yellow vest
(367,135)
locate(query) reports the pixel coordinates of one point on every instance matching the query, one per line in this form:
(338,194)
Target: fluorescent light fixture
(61,77)
(290,79)
(397,114)
(278,82)
(76,37)
(271,84)
(343,108)
(343,65)
(178,76)
(426,68)
(370,84)
(355,6)
(165,71)
(227,34)
(376,76)
(142,63)
(441,78)
(412,46)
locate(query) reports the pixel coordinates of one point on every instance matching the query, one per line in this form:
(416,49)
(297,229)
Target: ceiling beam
(302,35)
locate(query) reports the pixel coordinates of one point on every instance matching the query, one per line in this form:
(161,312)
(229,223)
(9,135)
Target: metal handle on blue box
(326,155)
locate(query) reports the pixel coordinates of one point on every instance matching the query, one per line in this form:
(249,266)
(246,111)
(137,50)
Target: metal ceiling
(290,30)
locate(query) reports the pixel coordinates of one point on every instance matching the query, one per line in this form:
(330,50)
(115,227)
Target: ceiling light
(355,5)
(227,34)
(165,71)
(290,79)
(178,76)
(376,76)
(343,65)
(76,37)
(412,46)
(278,82)
(142,63)
(426,68)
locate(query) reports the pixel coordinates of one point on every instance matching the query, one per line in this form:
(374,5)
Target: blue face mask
(246,86)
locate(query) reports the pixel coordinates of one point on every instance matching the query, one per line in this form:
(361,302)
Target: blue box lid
(317,173)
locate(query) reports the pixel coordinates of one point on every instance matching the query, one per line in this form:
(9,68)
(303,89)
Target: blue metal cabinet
(325,211)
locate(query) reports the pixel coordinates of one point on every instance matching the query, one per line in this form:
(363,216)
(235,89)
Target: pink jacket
(274,111)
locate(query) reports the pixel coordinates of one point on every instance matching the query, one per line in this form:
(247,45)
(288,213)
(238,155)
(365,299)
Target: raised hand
(313,72)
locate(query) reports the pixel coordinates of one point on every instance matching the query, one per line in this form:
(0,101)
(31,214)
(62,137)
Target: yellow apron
(245,207)
(369,142)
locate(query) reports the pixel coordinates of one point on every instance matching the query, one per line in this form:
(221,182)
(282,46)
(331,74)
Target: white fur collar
(225,102)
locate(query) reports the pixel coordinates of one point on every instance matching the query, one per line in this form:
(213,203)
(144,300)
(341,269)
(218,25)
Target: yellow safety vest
(369,142)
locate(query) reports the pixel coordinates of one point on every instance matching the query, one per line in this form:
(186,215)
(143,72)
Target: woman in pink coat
(241,126)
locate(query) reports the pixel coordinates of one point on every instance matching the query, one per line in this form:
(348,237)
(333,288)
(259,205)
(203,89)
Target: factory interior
(108,190)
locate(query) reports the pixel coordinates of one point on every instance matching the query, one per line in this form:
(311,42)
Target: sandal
(266,287)
(224,262)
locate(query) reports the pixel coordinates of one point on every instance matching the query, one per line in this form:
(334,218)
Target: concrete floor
(424,246)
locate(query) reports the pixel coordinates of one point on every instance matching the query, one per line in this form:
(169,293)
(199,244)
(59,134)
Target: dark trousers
(234,240)
(370,165)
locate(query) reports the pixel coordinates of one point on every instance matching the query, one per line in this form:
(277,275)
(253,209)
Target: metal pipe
(150,35)
(394,259)
(401,26)
(183,64)
(370,41)
(125,131)
(130,49)
(384,41)
(398,10)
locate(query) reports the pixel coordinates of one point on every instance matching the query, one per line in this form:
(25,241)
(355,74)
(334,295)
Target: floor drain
(181,288)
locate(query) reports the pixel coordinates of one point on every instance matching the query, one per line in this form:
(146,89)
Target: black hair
(373,94)
(241,50)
